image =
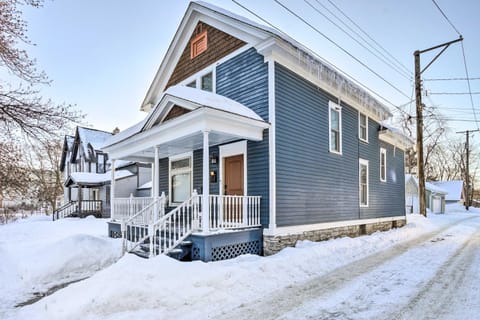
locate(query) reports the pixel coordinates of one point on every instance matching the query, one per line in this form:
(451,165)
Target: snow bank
(37,254)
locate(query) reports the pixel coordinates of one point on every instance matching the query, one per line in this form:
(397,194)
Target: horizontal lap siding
(314,185)
(244,78)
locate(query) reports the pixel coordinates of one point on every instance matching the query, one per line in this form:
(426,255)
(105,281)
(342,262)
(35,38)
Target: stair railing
(134,229)
(170,230)
(65,210)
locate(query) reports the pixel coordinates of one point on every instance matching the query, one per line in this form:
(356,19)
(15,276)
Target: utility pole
(467,167)
(418,98)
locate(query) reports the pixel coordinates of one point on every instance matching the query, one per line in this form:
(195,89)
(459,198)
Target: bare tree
(24,114)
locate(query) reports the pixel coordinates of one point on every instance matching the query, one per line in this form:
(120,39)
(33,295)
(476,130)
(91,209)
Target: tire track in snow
(278,304)
(438,295)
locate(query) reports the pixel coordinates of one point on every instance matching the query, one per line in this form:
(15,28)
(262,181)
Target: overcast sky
(103,54)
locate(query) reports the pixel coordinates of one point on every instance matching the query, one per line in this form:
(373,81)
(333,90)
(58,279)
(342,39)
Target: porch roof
(92,179)
(226,120)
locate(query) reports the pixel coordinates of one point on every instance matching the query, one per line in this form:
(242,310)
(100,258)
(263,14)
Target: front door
(233,189)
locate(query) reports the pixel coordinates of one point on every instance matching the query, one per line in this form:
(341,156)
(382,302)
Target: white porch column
(206,185)
(112,192)
(156,183)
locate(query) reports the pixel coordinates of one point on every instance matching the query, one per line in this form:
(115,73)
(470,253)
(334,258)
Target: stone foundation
(273,244)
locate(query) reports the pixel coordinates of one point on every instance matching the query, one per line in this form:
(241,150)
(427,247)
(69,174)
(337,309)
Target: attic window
(198,44)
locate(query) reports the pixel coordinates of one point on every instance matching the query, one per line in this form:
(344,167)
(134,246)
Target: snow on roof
(96,138)
(69,140)
(89,178)
(147,185)
(454,189)
(197,96)
(337,75)
(212,100)
(430,186)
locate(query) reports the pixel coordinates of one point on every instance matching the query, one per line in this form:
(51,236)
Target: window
(363,181)
(101,163)
(180,179)
(198,44)
(383,164)
(204,81)
(335,126)
(363,127)
(207,82)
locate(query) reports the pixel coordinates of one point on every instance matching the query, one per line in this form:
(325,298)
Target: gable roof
(257,35)
(430,186)
(86,138)
(454,189)
(67,147)
(188,97)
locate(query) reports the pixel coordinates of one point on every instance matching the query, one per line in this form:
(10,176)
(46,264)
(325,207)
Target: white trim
(383,151)
(197,77)
(283,231)
(335,107)
(394,139)
(363,162)
(229,150)
(360,126)
(175,158)
(272,148)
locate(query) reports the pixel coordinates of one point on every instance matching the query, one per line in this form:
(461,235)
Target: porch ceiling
(184,134)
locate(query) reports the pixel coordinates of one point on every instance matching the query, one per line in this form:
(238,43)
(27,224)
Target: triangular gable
(223,25)
(215,44)
(176,111)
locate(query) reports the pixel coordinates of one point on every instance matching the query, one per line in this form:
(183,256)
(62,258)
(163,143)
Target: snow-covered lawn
(37,254)
(248,286)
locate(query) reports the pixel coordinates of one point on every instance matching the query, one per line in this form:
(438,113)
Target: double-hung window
(383,164)
(362,127)
(335,127)
(180,179)
(363,182)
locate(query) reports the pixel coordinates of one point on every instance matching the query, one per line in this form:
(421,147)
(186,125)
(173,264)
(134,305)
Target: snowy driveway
(435,276)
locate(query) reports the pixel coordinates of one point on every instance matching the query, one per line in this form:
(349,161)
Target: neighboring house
(435,196)
(256,143)
(87,175)
(455,190)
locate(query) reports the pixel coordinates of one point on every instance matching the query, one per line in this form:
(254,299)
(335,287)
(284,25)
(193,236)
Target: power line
(452,93)
(342,49)
(320,58)
(446,18)
(382,58)
(451,79)
(469,87)
(366,34)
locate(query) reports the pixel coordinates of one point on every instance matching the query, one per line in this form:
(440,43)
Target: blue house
(255,143)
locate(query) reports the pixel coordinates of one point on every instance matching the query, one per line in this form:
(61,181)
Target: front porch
(195,141)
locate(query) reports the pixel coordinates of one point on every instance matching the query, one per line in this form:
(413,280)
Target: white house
(434,196)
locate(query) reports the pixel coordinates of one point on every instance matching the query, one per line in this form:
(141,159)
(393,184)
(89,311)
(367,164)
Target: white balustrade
(125,208)
(231,212)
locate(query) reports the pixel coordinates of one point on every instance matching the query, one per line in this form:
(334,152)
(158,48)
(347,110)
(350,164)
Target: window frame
(337,108)
(383,168)
(197,78)
(363,162)
(188,155)
(360,114)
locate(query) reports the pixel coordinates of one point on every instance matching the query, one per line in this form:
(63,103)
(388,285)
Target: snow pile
(37,254)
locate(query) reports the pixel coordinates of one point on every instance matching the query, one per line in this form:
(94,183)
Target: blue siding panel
(314,185)
(244,78)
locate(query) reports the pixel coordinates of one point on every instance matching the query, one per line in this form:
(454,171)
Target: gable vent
(199,43)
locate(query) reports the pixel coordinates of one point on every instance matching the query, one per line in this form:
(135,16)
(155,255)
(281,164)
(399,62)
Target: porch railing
(125,208)
(86,207)
(232,212)
(65,210)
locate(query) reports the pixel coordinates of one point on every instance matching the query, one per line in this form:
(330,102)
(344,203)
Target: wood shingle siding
(219,45)
(313,184)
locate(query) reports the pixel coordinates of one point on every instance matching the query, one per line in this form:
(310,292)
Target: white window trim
(197,78)
(360,127)
(364,163)
(384,152)
(336,107)
(175,158)
(229,150)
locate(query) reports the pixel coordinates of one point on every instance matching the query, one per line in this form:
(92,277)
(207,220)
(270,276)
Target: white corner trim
(272,148)
(229,150)
(291,230)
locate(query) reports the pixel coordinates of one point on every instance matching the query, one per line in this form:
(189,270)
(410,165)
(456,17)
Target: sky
(102,55)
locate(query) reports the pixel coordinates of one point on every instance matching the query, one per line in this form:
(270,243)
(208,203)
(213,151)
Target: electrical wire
(341,48)
(446,18)
(320,58)
(451,79)
(382,57)
(469,87)
(453,93)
